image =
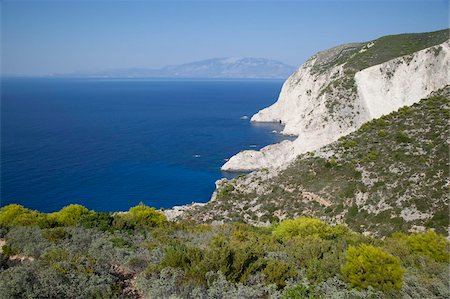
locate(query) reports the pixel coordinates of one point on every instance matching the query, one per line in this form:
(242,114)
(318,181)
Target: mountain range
(231,67)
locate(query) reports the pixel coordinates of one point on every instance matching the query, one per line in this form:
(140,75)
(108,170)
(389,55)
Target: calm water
(109,144)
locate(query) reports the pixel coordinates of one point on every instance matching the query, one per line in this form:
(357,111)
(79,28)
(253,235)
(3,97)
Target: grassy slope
(384,49)
(392,46)
(396,162)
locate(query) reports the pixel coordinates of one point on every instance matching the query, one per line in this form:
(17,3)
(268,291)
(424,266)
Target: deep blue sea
(110,144)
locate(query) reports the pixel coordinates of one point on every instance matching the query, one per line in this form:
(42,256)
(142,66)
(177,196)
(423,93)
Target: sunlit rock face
(329,96)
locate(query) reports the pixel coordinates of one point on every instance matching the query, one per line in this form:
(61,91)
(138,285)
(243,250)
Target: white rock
(302,103)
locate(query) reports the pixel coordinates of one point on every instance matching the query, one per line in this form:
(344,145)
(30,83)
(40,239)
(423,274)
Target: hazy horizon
(48,37)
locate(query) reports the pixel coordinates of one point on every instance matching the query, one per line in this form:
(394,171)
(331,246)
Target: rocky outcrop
(329,97)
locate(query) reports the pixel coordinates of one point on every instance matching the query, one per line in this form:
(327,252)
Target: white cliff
(325,99)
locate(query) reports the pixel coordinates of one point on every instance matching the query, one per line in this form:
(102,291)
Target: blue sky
(44,37)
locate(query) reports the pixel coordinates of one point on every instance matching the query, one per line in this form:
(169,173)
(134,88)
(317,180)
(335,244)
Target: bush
(55,234)
(35,280)
(299,291)
(349,143)
(320,259)
(333,288)
(307,227)
(367,265)
(225,190)
(17,215)
(27,240)
(278,272)
(8,250)
(403,137)
(69,215)
(139,216)
(331,163)
(147,216)
(100,220)
(382,133)
(372,155)
(429,243)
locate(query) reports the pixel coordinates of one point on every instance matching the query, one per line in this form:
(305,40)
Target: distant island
(226,68)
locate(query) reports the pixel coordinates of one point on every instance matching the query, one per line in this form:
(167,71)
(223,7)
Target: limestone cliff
(337,90)
(389,175)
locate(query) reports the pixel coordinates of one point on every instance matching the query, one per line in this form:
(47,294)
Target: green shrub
(140,216)
(100,220)
(367,266)
(69,215)
(8,250)
(307,227)
(299,291)
(372,155)
(429,243)
(55,234)
(225,190)
(403,137)
(382,133)
(28,240)
(331,163)
(146,216)
(17,215)
(238,257)
(349,143)
(278,272)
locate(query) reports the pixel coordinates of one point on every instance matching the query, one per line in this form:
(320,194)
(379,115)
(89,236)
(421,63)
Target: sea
(109,144)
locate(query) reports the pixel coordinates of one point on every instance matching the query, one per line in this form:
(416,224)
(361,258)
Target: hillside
(390,175)
(337,90)
(76,253)
(224,68)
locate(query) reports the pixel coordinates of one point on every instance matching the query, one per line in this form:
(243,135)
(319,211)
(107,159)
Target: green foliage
(299,258)
(428,243)
(349,143)
(307,227)
(403,137)
(8,250)
(382,133)
(17,215)
(55,234)
(69,215)
(299,291)
(372,155)
(100,220)
(393,46)
(146,216)
(188,258)
(225,190)
(367,265)
(331,163)
(278,272)
(140,216)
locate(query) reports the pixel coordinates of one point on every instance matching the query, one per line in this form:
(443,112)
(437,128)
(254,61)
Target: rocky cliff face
(389,175)
(336,91)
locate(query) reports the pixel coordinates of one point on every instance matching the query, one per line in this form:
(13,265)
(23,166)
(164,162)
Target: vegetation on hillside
(390,175)
(139,254)
(358,56)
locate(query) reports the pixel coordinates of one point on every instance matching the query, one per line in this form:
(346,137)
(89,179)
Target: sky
(50,37)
